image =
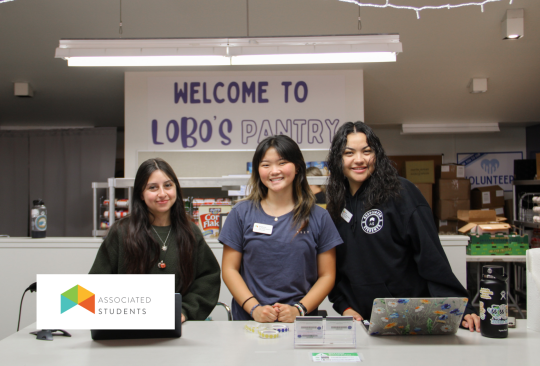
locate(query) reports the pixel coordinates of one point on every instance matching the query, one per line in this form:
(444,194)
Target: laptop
(103,334)
(416,316)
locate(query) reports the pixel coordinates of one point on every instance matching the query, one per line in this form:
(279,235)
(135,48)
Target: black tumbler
(494,302)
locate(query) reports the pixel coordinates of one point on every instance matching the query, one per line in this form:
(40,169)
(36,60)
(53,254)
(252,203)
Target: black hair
(382,184)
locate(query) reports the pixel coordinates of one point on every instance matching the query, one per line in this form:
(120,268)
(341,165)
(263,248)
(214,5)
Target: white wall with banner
(489,169)
(235,110)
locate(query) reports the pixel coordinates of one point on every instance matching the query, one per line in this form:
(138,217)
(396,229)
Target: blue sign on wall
(490,169)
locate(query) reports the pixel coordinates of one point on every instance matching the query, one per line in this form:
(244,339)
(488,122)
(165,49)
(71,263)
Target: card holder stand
(332,332)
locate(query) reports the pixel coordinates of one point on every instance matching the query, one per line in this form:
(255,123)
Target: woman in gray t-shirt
(279,247)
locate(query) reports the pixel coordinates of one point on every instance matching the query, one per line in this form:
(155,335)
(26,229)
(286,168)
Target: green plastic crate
(498,244)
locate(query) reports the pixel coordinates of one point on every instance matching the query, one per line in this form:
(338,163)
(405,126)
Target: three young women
(158,238)
(279,247)
(391,245)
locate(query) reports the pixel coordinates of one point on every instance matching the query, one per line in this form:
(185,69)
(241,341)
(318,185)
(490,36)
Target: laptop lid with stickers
(416,316)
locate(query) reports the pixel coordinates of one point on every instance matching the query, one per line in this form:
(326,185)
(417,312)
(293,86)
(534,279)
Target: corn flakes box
(208,219)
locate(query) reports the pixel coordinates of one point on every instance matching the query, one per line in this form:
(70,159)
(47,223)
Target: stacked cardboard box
(422,174)
(453,193)
(488,198)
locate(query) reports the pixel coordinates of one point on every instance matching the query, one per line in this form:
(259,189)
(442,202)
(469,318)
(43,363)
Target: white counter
(21,259)
(228,344)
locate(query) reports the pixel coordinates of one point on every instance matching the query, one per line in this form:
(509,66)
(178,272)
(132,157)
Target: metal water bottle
(38,219)
(494,302)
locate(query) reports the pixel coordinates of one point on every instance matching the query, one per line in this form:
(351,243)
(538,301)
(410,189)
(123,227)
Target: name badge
(346,215)
(262,228)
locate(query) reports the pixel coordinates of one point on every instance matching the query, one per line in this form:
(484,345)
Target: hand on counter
(471,321)
(265,314)
(286,313)
(354,314)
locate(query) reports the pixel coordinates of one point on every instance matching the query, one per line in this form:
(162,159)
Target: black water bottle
(494,302)
(38,219)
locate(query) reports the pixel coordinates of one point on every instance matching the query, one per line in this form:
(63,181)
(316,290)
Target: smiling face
(159,194)
(358,160)
(276,173)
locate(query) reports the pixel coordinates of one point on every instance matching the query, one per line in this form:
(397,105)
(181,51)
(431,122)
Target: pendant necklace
(275,217)
(162,264)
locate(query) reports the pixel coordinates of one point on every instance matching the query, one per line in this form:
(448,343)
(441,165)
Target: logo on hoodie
(372,221)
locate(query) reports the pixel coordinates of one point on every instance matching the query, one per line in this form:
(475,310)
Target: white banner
(105,302)
(490,169)
(236,112)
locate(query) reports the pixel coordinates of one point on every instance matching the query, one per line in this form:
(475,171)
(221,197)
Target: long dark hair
(142,250)
(302,195)
(383,183)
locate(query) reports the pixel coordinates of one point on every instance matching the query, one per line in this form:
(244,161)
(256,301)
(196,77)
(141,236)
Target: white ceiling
(442,51)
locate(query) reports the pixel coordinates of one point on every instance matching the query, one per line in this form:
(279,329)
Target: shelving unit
(225,183)
(522,191)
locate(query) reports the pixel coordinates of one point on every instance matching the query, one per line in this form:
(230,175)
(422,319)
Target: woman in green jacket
(158,238)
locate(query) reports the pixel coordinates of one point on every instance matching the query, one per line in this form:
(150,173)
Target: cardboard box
(447,209)
(498,244)
(453,189)
(427,191)
(451,171)
(482,221)
(538,166)
(420,171)
(489,197)
(448,227)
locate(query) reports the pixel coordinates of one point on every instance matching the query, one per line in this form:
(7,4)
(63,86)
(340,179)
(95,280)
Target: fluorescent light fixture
(148,61)
(512,24)
(230,51)
(458,127)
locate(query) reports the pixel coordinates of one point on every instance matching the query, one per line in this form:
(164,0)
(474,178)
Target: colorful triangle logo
(77,295)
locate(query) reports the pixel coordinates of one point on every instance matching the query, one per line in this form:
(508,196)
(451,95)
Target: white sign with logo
(490,169)
(105,301)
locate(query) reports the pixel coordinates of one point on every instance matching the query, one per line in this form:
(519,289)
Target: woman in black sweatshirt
(391,245)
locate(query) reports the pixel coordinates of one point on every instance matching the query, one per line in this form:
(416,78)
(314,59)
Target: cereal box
(209,219)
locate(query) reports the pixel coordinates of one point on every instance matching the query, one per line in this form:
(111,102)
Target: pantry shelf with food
(118,208)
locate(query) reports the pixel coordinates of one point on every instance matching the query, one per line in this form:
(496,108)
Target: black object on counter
(38,219)
(494,302)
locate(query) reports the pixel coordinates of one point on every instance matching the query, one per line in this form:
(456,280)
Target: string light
(419,9)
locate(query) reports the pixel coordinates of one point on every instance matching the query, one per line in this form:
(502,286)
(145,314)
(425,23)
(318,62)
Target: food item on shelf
(119,203)
(117,214)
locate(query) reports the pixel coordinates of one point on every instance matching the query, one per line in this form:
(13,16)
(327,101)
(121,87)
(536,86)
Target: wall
(334,96)
(508,139)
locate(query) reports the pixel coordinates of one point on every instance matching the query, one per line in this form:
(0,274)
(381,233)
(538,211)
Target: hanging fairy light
(418,9)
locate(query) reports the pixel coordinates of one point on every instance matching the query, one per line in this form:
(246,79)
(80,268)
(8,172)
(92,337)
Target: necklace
(162,264)
(164,247)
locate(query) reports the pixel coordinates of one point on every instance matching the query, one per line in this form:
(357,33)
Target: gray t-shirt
(280,267)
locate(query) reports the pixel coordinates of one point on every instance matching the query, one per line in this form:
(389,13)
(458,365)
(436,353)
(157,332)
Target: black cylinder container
(494,302)
(38,219)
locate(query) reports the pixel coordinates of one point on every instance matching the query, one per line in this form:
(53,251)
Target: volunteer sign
(105,302)
(488,169)
(227,112)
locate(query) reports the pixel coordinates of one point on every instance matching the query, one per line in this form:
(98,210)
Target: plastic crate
(499,244)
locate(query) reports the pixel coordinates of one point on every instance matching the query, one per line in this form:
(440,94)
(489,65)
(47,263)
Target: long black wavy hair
(304,199)
(142,250)
(383,183)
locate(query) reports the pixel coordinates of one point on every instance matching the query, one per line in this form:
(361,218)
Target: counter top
(94,242)
(228,344)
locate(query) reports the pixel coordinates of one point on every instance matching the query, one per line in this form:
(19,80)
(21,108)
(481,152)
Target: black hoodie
(392,250)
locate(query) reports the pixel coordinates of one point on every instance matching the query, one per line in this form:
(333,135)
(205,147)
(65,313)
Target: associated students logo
(77,295)
(372,221)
